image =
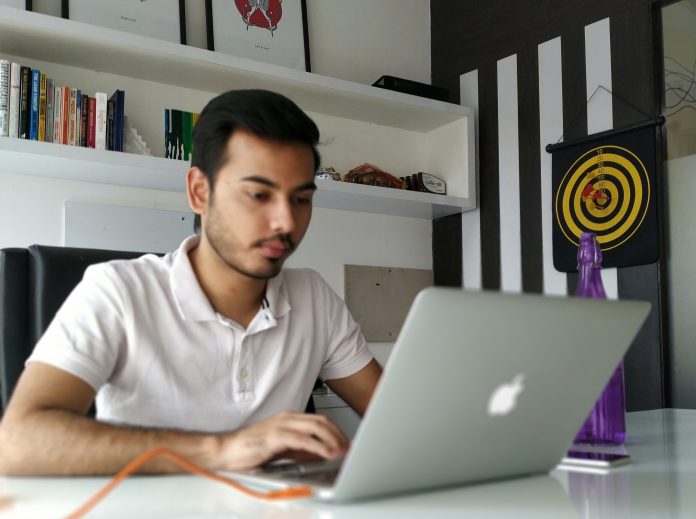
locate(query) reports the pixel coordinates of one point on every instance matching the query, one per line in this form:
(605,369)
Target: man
(212,350)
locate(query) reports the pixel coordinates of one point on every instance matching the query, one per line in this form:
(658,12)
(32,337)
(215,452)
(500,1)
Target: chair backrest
(34,282)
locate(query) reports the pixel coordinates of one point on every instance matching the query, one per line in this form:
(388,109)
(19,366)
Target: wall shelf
(77,44)
(23,157)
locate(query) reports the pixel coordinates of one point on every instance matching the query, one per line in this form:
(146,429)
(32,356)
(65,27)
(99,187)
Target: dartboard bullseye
(605,191)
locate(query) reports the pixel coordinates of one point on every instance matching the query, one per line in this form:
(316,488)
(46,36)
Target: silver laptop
(479,386)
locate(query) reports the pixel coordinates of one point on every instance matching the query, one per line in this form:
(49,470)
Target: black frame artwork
(65,13)
(302,49)
(27,5)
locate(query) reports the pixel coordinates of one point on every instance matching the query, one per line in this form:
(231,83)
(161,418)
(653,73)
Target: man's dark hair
(267,115)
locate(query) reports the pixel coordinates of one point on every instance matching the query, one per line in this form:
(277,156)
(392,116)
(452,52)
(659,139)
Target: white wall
(361,40)
(681,186)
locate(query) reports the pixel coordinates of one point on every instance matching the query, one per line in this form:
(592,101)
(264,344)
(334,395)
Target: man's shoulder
(302,277)
(144,269)
(302,284)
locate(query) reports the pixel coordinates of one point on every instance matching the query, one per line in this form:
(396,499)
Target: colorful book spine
(91,121)
(50,92)
(15,80)
(167,125)
(117,99)
(110,124)
(34,105)
(4,98)
(24,101)
(57,115)
(100,121)
(186,124)
(78,118)
(65,115)
(178,133)
(42,107)
(177,137)
(121,98)
(72,116)
(83,120)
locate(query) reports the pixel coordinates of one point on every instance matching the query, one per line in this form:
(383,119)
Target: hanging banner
(606,185)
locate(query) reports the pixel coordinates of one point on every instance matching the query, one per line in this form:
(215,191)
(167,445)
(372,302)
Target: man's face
(261,204)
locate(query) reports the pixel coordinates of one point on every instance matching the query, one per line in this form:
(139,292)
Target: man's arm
(45,432)
(356,390)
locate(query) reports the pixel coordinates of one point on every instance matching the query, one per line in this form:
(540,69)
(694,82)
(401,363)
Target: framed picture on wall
(272,31)
(161,19)
(19,4)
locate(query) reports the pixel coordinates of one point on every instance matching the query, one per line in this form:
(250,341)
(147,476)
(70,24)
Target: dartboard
(605,191)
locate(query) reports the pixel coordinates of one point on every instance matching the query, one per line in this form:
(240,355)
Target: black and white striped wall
(523,102)
(527,111)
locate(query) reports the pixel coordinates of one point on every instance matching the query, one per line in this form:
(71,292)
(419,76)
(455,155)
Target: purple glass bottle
(606,422)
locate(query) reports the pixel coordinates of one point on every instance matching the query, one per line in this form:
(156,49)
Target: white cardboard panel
(102,226)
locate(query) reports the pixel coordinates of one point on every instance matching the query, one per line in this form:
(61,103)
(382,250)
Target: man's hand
(294,435)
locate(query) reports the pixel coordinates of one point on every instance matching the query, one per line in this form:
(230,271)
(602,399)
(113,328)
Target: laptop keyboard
(327,477)
(318,473)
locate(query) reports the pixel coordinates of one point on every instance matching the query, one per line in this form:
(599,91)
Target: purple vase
(606,422)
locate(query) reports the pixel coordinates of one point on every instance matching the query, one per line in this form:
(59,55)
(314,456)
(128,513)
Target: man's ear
(197,190)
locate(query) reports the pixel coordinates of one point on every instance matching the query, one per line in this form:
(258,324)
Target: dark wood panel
(574,99)
(447,251)
(465,35)
(489,179)
(643,373)
(530,167)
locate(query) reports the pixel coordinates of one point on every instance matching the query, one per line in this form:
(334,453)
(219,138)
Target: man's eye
(255,195)
(303,200)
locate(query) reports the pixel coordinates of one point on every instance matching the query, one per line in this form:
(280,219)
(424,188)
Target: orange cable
(272,495)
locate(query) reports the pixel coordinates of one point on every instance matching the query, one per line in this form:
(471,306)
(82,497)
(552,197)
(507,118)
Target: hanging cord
(602,87)
(273,495)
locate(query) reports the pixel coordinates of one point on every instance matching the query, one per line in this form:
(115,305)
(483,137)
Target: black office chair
(34,282)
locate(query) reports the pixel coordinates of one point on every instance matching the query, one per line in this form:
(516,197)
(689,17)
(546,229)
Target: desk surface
(660,482)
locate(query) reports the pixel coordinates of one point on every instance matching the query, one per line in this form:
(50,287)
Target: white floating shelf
(382,200)
(52,39)
(45,159)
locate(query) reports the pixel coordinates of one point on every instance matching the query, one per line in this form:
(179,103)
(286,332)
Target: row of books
(178,132)
(34,107)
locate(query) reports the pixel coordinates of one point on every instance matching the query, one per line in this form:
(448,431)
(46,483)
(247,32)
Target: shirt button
(243,373)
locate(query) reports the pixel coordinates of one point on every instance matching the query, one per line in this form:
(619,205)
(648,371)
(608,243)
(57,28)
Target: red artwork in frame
(273,31)
(265,14)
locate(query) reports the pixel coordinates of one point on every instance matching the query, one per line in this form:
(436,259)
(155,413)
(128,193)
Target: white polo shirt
(143,334)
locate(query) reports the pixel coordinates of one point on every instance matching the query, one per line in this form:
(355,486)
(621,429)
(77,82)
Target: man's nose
(283,217)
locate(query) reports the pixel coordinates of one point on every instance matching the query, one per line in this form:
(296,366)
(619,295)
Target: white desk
(660,483)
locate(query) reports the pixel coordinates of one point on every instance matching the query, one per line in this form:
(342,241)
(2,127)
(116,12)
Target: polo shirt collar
(192,302)
(277,296)
(190,299)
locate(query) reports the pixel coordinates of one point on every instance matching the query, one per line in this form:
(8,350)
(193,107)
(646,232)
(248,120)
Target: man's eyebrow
(266,182)
(309,186)
(260,180)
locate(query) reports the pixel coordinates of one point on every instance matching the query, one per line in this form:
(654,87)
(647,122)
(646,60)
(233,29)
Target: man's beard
(225,251)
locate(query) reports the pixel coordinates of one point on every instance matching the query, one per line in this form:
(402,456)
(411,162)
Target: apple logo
(504,398)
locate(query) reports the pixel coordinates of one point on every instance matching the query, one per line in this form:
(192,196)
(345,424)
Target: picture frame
(160,19)
(18,4)
(272,31)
